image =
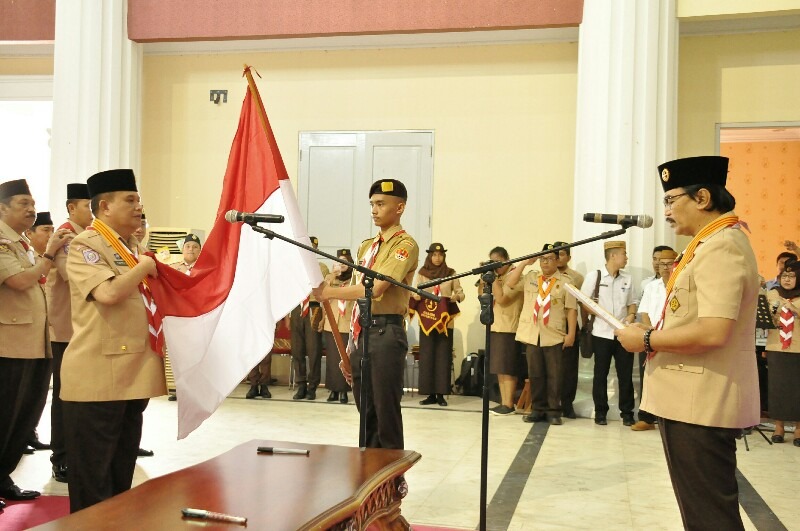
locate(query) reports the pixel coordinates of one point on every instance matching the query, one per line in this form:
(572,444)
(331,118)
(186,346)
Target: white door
(337,169)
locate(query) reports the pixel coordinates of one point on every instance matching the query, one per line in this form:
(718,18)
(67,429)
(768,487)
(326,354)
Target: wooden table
(334,487)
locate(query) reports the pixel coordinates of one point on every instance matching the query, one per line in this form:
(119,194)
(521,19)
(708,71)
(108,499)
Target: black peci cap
(43,218)
(693,170)
(12,188)
(78,191)
(112,181)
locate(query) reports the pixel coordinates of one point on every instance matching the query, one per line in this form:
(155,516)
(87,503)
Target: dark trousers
(644,416)
(59,456)
(763,378)
(261,373)
(702,467)
(604,351)
(334,379)
(306,342)
(435,358)
(102,442)
(570,359)
(388,347)
(23,394)
(544,373)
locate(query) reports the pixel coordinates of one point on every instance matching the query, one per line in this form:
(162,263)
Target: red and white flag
(220,320)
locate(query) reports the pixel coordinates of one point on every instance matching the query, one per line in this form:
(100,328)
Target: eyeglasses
(669,199)
(547,259)
(788,275)
(664,264)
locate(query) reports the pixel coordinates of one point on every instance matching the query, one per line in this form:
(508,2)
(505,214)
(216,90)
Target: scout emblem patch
(387,186)
(674,304)
(91,256)
(401,254)
(665,175)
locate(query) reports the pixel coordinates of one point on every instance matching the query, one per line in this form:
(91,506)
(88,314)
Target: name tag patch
(118,260)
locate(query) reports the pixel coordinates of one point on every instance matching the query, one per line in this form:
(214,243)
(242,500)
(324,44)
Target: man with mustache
(701,379)
(24,338)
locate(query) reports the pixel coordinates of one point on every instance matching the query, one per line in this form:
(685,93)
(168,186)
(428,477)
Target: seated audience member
(783,353)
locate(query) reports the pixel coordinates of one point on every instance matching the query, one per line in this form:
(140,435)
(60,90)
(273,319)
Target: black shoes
(60,473)
(600,420)
(502,410)
(265,392)
(252,393)
(311,394)
(144,453)
(535,417)
(627,420)
(428,401)
(333,397)
(555,421)
(14,493)
(301,392)
(569,412)
(441,401)
(36,444)
(28,450)
(343,397)
(173,397)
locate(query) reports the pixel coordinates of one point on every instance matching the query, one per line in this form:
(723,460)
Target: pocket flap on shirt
(685,367)
(16,318)
(122,345)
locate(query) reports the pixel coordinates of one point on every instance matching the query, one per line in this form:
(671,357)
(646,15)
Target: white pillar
(626,122)
(96,94)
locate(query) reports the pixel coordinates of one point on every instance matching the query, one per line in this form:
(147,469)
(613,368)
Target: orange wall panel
(765,179)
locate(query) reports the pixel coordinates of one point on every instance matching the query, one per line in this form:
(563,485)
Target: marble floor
(584,476)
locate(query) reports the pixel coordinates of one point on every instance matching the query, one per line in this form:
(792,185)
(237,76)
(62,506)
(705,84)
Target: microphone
(233,216)
(642,220)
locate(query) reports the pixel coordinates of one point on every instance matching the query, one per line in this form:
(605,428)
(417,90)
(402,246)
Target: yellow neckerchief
(687,256)
(121,249)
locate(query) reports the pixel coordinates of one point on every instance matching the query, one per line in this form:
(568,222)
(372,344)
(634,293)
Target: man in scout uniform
(305,324)
(113,365)
(394,253)
(191,250)
(615,295)
(701,379)
(547,325)
(24,338)
(59,311)
(571,358)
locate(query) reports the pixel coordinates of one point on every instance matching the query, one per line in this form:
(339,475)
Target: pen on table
(209,515)
(273,450)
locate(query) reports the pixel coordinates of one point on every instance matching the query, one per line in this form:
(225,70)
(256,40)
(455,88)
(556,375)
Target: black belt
(385,319)
(313,304)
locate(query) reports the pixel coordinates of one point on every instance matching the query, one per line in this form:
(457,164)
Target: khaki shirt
(109,357)
(773,336)
(719,387)
(560,302)
(451,290)
(183,267)
(342,319)
(506,318)
(576,279)
(59,306)
(397,258)
(24,331)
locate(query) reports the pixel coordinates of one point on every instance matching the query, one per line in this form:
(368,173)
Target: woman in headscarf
(436,326)
(783,352)
(334,379)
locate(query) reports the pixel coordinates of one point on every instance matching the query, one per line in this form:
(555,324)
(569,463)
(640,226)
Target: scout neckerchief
(686,257)
(369,260)
(304,306)
(786,328)
(131,259)
(543,300)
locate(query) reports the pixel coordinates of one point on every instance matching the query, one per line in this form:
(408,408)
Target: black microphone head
(231,215)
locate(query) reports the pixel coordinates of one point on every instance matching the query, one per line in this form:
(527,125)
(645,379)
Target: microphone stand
(365,315)
(488,275)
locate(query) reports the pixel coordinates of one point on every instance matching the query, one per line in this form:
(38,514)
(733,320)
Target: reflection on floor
(584,477)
